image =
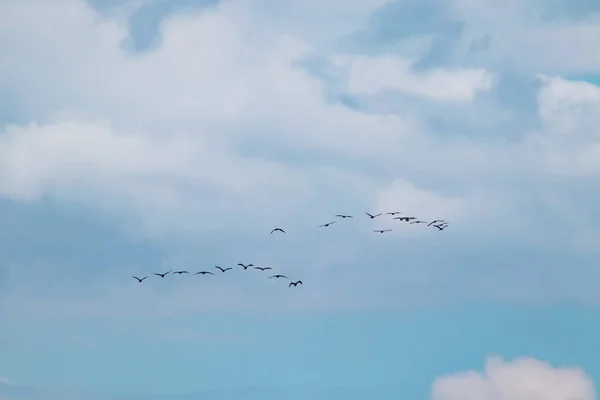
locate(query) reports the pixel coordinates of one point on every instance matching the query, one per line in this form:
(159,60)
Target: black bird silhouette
(277,229)
(222,269)
(295,283)
(394,213)
(181,272)
(382,230)
(140,279)
(326,225)
(245,266)
(278,276)
(373,216)
(419,222)
(440,227)
(263,268)
(404,218)
(203,273)
(162,275)
(344,216)
(435,221)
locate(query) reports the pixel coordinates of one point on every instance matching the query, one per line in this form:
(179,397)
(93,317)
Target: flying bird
(404,218)
(203,273)
(418,222)
(277,230)
(140,279)
(326,225)
(344,216)
(278,276)
(393,213)
(181,272)
(295,283)
(222,269)
(435,221)
(245,266)
(440,227)
(382,230)
(263,268)
(373,216)
(162,275)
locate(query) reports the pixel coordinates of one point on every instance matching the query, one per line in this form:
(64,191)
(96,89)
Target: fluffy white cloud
(199,123)
(178,115)
(218,123)
(520,379)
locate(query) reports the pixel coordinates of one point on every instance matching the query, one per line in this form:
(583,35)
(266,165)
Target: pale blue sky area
(146,136)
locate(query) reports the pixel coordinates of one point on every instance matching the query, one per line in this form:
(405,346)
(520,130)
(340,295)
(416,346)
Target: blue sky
(142,136)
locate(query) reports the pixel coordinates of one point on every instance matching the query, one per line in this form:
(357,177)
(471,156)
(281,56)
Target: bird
(263,268)
(326,225)
(295,283)
(181,272)
(393,213)
(162,275)
(435,221)
(245,266)
(278,276)
(373,216)
(222,269)
(440,227)
(203,273)
(404,218)
(418,222)
(140,279)
(382,230)
(277,229)
(344,216)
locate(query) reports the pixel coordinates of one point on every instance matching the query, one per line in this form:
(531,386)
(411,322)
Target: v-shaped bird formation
(439,224)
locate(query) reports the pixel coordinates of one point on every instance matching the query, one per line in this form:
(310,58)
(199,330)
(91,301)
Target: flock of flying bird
(440,224)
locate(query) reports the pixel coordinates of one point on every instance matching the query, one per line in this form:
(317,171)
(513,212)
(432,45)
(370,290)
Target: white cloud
(372,75)
(520,379)
(524,39)
(182,115)
(217,124)
(177,116)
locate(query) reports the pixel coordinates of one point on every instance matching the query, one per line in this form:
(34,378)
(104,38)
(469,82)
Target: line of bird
(244,266)
(440,224)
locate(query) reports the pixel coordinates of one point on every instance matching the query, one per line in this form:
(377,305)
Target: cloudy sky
(142,136)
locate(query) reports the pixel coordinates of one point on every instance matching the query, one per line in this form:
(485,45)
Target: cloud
(368,76)
(179,122)
(521,379)
(220,132)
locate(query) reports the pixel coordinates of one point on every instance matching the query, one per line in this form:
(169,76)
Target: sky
(142,136)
